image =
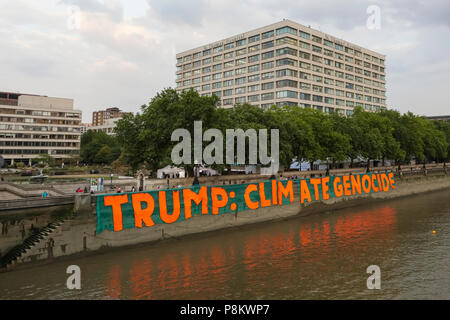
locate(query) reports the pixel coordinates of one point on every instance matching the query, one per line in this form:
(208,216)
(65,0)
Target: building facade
(440,118)
(31,125)
(99,117)
(107,126)
(85,127)
(286,63)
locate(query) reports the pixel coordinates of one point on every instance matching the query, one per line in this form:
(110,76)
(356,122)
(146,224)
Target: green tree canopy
(305,134)
(99,148)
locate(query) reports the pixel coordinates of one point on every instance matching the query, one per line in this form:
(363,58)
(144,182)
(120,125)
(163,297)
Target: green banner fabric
(144,209)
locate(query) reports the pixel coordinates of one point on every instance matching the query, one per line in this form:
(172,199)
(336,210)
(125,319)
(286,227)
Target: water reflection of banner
(146,209)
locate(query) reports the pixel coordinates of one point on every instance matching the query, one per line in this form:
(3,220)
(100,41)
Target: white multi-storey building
(286,63)
(107,126)
(31,125)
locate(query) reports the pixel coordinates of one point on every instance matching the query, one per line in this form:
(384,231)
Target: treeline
(99,148)
(305,134)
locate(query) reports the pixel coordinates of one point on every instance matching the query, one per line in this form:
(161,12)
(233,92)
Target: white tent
(170,172)
(207,171)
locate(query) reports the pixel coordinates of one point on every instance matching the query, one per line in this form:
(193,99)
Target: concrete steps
(21,251)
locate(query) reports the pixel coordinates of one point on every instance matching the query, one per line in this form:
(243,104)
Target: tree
(368,138)
(434,140)
(146,137)
(305,134)
(44,159)
(444,127)
(93,151)
(103,156)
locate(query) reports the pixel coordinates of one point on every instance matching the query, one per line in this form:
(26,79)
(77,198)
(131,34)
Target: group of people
(79,190)
(117,188)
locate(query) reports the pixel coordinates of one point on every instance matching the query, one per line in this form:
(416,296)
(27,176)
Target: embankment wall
(78,235)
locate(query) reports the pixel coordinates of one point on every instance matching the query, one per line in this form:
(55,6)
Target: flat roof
(274,25)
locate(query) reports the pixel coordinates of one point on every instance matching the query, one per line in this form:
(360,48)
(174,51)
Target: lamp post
(271,166)
(327,172)
(196,182)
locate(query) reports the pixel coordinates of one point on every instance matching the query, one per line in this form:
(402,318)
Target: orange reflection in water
(186,262)
(140,279)
(113,284)
(168,271)
(204,270)
(365,224)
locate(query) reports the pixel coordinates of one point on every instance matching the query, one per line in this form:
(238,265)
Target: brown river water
(323,256)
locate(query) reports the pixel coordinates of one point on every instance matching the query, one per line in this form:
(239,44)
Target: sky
(104,53)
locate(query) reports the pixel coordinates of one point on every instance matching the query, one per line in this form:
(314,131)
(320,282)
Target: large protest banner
(145,209)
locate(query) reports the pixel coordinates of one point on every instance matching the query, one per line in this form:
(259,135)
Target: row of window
(328,109)
(39,121)
(286,61)
(33,151)
(5,135)
(291,84)
(338,62)
(279,32)
(38,128)
(279,52)
(37,144)
(297,95)
(40,113)
(354,84)
(293,73)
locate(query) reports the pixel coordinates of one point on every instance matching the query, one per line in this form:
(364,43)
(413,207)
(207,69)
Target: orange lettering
(368,186)
(315,183)
(338,190)
(201,197)
(288,191)
(385,182)
(391,180)
(380,186)
(374,177)
(262,196)
(356,184)
(143,214)
(116,203)
(251,204)
(305,194)
(216,203)
(347,186)
(169,218)
(325,188)
(274,192)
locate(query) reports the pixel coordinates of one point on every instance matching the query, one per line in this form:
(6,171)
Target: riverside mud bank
(76,234)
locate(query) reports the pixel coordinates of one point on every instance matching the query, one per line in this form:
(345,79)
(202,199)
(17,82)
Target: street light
(196,182)
(271,166)
(327,172)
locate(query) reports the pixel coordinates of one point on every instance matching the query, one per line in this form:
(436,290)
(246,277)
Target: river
(323,256)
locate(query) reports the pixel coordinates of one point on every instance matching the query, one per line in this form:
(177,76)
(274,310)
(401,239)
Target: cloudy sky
(120,53)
